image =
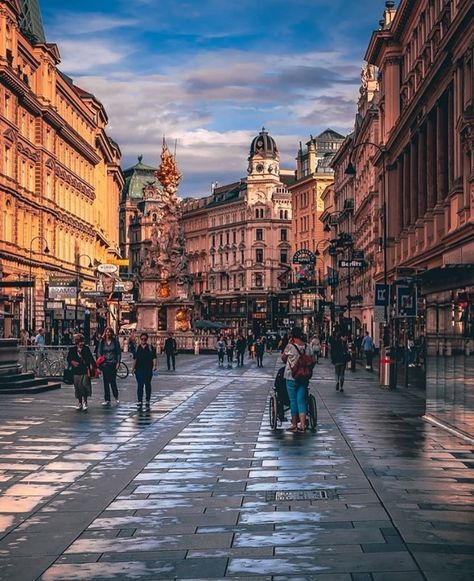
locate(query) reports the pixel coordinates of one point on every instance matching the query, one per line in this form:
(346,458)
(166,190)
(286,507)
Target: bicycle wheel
(272,412)
(122,371)
(312,412)
(56,369)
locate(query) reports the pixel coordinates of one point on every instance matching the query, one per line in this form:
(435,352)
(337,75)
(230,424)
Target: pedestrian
(40,340)
(284,342)
(220,346)
(80,358)
(241,344)
(109,348)
(171,348)
(24,338)
(96,341)
(368,349)
(339,358)
(411,351)
(297,388)
(259,351)
(250,346)
(132,342)
(66,338)
(144,364)
(316,347)
(230,351)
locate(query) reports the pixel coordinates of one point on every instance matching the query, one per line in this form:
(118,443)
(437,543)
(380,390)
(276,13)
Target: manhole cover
(293,495)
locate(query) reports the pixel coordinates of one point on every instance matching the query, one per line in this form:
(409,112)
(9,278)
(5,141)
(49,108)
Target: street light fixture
(351,171)
(30,294)
(78,280)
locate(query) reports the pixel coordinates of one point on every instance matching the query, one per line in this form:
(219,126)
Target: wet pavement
(201,488)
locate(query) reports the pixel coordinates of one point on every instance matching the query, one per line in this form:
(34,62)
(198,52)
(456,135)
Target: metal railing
(48,361)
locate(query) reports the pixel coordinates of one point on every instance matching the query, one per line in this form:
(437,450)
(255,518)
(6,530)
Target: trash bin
(388,368)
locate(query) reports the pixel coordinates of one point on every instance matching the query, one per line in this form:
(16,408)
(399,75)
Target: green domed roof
(136,178)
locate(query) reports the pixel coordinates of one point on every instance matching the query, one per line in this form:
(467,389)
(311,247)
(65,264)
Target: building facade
(313,175)
(59,179)
(423,173)
(241,268)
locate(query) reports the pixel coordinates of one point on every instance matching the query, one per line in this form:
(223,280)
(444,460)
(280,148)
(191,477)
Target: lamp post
(78,281)
(30,319)
(350,170)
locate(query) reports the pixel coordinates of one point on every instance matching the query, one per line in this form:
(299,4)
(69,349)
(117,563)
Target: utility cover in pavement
(299,495)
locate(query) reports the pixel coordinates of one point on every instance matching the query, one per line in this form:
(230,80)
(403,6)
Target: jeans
(109,373)
(340,369)
(230,355)
(240,357)
(298,395)
(143,381)
(170,360)
(369,356)
(260,360)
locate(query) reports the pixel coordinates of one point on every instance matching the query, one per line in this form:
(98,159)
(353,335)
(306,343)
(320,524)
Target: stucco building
(60,178)
(313,175)
(241,267)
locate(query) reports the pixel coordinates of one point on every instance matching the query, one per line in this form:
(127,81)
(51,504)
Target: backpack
(303,368)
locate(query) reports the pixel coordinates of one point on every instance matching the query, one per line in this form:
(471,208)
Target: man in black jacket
(170,349)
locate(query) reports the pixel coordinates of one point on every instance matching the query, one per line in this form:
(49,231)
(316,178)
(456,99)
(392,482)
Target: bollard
(387,368)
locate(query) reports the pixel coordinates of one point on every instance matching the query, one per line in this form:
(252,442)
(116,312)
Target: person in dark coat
(82,362)
(144,363)
(339,358)
(170,348)
(241,345)
(259,351)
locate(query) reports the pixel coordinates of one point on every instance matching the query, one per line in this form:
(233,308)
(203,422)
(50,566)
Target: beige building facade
(60,180)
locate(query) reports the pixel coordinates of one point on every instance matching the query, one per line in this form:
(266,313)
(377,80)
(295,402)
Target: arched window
(258,280)
(154,217)
(8,221)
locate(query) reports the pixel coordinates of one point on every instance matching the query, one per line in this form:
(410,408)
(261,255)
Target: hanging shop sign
(304,256)
(305,261)
(351,263)
(407,301)
(62,288)
(107,268)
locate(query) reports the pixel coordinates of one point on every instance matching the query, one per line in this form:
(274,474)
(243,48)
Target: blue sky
(211,73)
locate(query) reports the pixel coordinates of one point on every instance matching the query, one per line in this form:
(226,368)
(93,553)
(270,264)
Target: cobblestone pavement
(201,488)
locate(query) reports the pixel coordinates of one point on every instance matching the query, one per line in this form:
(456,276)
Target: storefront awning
(447,277)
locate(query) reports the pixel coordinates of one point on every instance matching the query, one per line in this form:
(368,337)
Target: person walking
(220,346)
(368,349)
(230,351)
(240,345)
(316,347)
(339,358)
(170,348)
(297,389)
(144,364)
(80,358)
(109,348)
(259,351)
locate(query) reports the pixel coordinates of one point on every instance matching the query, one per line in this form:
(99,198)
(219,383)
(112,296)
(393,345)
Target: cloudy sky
(211,73)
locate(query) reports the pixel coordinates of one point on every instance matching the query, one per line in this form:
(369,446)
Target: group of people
(227,346)
(108,354)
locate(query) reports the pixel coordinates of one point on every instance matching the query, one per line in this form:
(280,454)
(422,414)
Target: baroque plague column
(165,302)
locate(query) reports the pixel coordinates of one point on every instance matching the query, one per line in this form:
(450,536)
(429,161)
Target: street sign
(94,295)
(17,283)
(107,268)
(120,261)
(127,297)
(62,288)
(351,263)
(381,295)
(406,301)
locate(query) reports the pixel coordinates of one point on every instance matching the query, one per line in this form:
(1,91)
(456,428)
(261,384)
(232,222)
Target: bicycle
(123,371)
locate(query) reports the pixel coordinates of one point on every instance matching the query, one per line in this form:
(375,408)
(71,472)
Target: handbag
(68,376)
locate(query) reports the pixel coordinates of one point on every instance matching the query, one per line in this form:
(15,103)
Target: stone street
(202,488)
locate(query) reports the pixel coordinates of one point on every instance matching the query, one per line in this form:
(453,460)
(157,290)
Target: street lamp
(351,171)
(78,280)
(30,308)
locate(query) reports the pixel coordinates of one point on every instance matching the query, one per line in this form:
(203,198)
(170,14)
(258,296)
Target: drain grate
(295,495)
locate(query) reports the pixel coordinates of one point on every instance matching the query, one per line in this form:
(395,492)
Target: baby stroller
(280,403)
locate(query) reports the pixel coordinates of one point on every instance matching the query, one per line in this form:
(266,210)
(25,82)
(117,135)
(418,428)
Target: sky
(211,73)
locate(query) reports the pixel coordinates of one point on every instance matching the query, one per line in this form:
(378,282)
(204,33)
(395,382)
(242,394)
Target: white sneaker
(84,407)
(106,403)
(79,406)
(117,401)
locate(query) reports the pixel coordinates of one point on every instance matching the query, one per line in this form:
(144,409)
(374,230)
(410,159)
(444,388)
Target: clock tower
(264,158)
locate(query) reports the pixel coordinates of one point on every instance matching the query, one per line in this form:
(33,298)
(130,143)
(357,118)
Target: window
(258,282)
(259,234)
(259,255)
(227,238)
(234,237)
(259,213)
(213,240)
(283,234)
(284,256)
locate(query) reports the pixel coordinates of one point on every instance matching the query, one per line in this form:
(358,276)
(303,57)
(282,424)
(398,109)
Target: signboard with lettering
(351,263)
(62,288)
(406,301)
(381,295)
(305,261)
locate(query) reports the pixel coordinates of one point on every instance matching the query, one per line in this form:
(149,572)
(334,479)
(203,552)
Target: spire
(31,22)
(168,173)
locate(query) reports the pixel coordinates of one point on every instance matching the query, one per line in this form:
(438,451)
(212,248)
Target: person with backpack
(299,359)
(221,348)
(241,344)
